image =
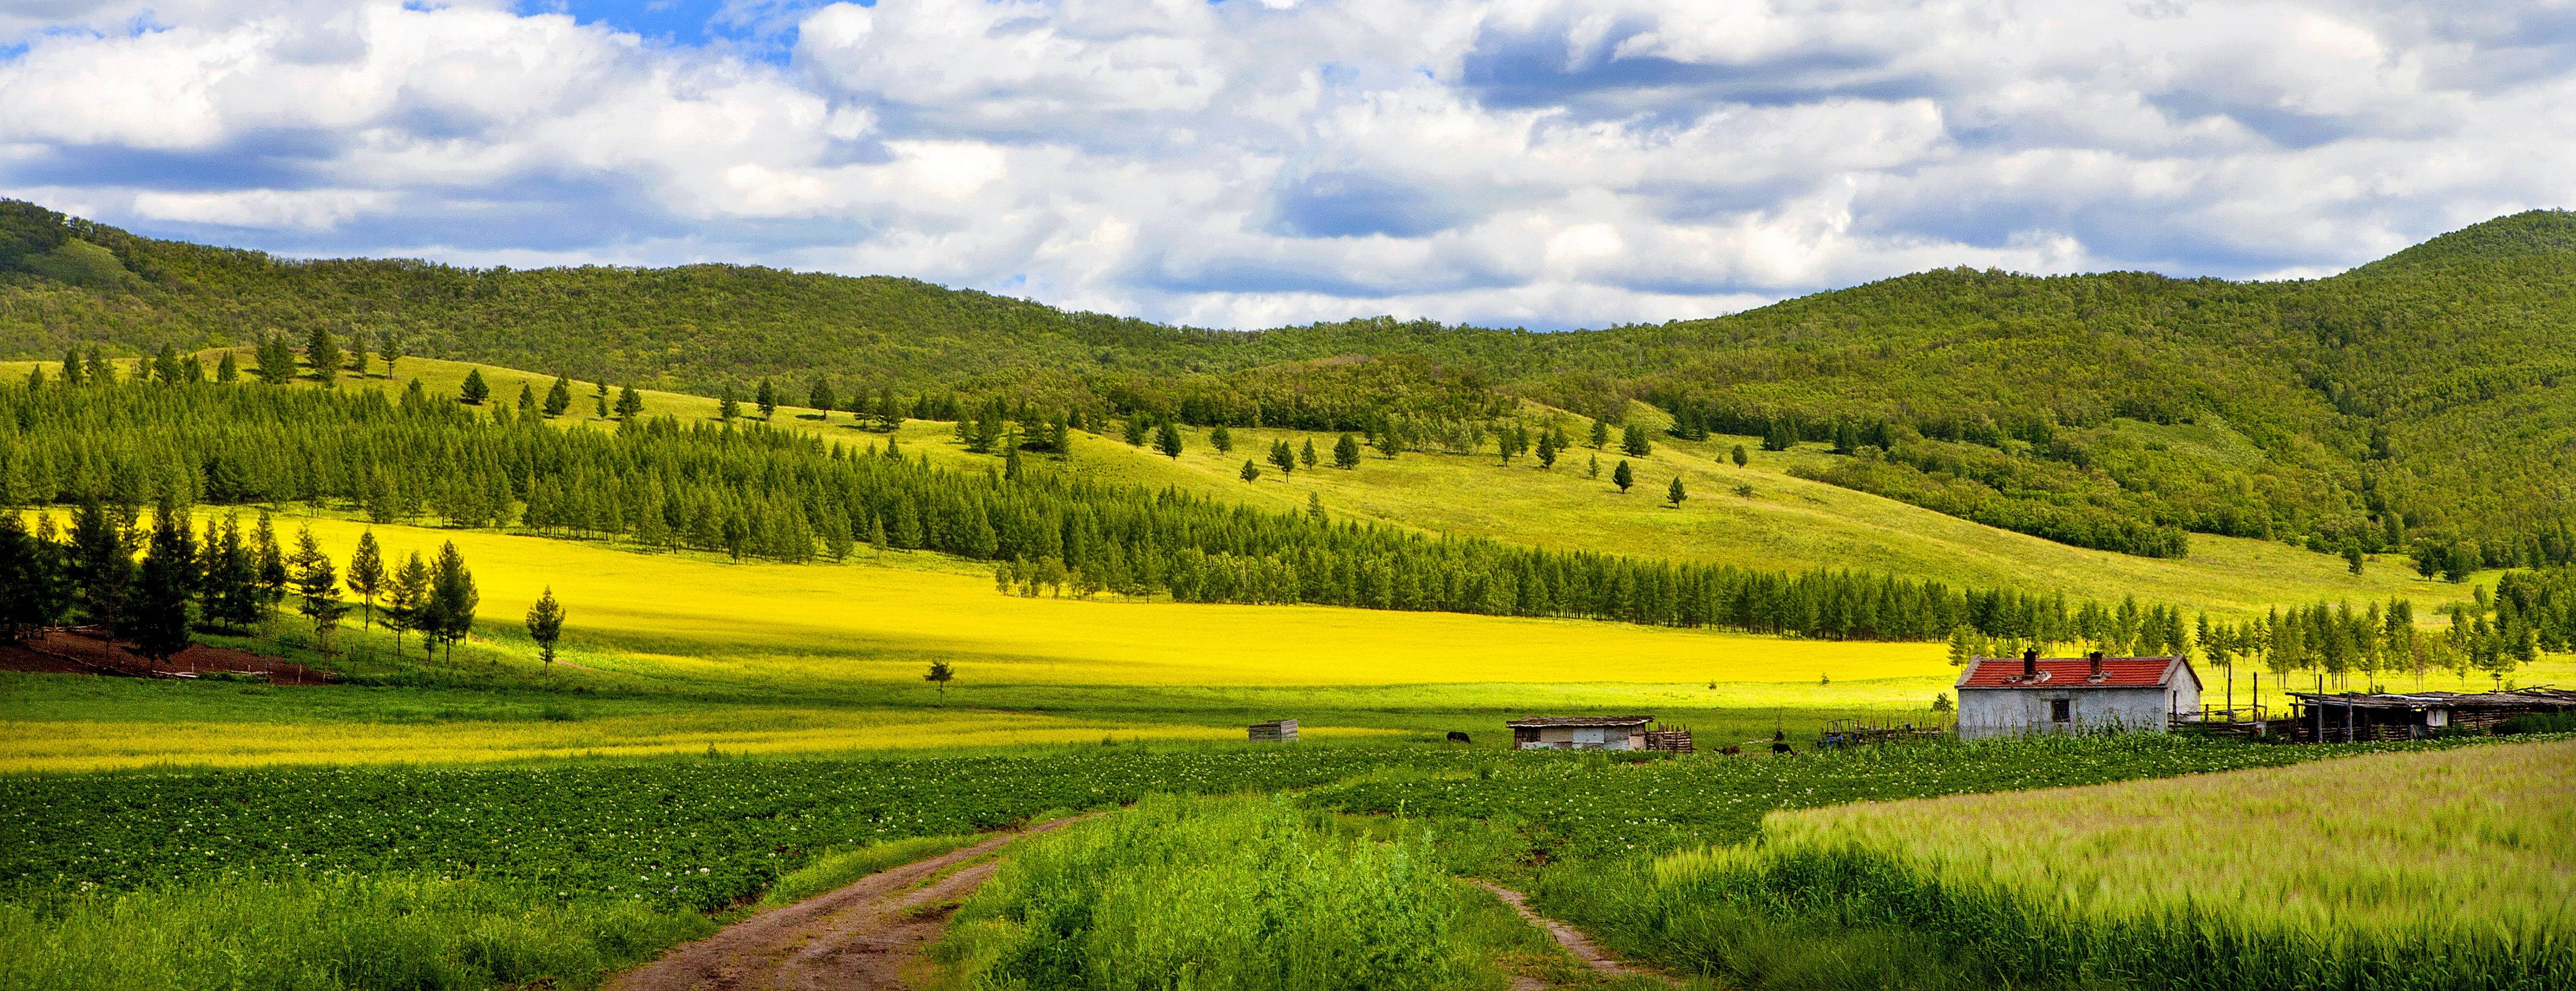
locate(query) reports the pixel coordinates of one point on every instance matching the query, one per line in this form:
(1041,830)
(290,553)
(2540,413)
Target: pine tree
(1306,455)
(1346,452)
(408,603)
(821,398)
(527,399)
(1634,443)
(276,361)
(357,357)
(1315,507)
(545,626)
(1282,458)
(101,373)
(389,348)
(159,623)
(1167,441)
(367,577)
(1600,434)
(165,365)
(1546,450)
(102,568)
(2352,555)
(727,407)
(452,589)
(1592,466)
(229,589)
(73,372)
(558,397)
(1739,456)
(1675,494)
(630,403)
(766,397)
(1135,430)
(319,585)
(1622,477)
(1221,439)
(1251,472)
(227,371)
(272,575)
(474,391)
(31,586)
(323,353)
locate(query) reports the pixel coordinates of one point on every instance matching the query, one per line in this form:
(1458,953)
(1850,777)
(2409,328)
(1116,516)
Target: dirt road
(1572,939)
(864,937)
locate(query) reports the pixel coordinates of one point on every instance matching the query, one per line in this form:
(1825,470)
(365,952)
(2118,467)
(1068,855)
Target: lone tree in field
(940,674)
(766,397)
(545,625)
(1346,452)
(727,407)
(390,349)
(630,403)
(1634,443)
(1739,456)
(1547,450)
(474,391)
(1251,472)
(159,624)
(1282,458)
(1134,433)
(367,577)
(558,398)
(527,399)
(1306,455)
(1600,435)
(1221,439)
(1622,477)
(1675,494)
(1167,440)
(822,398)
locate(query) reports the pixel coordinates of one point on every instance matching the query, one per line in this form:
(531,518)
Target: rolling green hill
(2425,403)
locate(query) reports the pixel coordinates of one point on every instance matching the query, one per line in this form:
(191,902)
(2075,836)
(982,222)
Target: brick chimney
(2096,658)
(2030,664)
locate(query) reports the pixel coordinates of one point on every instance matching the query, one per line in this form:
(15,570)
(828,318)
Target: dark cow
(1457,737)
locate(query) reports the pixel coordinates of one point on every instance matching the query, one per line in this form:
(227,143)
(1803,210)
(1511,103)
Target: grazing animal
(1782,748)
(1732,750)
(1456,736)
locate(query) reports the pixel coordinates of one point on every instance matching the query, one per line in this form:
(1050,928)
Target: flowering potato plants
(674,834)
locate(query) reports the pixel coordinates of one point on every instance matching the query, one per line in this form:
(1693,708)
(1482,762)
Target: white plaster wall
(1986,712)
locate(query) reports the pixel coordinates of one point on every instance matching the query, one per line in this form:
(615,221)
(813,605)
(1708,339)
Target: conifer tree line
(751,491)
(2335,643)
(224,580)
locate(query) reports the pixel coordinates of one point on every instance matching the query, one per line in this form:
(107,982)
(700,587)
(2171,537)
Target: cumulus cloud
(1535,162)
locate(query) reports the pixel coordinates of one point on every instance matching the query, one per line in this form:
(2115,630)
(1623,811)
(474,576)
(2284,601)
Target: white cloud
(1541,162)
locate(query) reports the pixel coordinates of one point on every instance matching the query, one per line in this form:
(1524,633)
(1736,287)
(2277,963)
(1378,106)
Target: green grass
(2260,878)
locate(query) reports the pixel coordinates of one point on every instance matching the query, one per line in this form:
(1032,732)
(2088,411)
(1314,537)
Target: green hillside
(2424,403)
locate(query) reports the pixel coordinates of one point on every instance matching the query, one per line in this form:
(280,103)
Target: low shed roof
(2063,673)
(2523,698)
(1535,722)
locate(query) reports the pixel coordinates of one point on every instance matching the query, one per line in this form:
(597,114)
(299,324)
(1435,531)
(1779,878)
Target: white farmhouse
(2000,697)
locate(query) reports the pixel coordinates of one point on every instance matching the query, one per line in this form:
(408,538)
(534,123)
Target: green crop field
(2437,869)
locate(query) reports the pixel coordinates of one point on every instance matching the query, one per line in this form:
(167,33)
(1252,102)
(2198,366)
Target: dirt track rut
(867,936)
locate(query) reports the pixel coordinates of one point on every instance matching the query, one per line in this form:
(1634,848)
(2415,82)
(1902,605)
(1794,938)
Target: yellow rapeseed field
(694,618)
(101,745)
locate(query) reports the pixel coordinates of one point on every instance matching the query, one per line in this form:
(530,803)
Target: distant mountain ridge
(2426,401)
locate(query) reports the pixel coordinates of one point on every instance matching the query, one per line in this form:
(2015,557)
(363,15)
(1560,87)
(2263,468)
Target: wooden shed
(1580,732)
(2318,717)
(1275,731)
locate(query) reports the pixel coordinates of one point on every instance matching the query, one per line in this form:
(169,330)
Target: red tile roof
(2076,672)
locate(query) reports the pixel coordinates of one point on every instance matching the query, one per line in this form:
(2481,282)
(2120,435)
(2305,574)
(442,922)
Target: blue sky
(1251,163)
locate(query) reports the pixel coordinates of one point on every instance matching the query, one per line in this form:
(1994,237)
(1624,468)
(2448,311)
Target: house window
(2059,710)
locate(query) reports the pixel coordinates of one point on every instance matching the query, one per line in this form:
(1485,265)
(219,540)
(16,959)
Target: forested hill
(2426,401)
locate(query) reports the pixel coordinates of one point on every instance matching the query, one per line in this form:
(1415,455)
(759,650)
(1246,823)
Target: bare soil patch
(86,651)
(868,935)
